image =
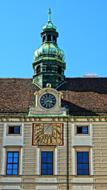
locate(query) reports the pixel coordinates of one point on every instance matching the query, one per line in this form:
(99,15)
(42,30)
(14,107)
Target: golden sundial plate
(47,134)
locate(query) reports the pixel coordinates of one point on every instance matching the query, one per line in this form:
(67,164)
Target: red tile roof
(82,96)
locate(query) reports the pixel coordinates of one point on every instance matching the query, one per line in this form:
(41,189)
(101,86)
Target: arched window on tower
(59,70)
(44,38)
(38,69)
(49,38)
(54,39)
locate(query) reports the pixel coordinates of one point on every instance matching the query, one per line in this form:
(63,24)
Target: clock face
(48,100)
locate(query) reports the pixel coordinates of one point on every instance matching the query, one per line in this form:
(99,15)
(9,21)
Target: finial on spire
(49,15)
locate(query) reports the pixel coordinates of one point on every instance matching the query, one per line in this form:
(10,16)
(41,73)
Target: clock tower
(49,63)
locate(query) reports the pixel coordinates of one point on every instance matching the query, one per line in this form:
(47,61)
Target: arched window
(44,38)
(54,39)
(59,70)
(49,38)
(38,69)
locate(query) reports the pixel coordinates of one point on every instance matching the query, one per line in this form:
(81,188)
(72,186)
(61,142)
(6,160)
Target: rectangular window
(82,129)
(14,130)
(47,163)
(12,167)
(83,163)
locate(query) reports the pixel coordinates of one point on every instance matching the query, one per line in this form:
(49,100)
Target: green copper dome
(49,62)
(49,50)
(49,26)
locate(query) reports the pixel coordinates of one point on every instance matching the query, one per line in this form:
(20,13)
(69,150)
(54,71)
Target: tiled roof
(82,96)
(16,95)
(85,96)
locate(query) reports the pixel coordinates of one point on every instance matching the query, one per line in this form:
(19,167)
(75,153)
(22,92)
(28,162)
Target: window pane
(9,172)
(79,156)
(86,172)
(17,129)
(47,163)
(83,172)
(44,155)
(82,129)
(16,154)
(85,130)
(85,167)
(79,130)
(50,158)
(9,166)
(44,172)
(11,130)
(44,166)
(15,166)
(80,166)
(12,163)
(50,172)
(10,154)
(49,167)
(9,160)
(83,163)
(14,130)
(15,172)
(85,157)
(15,160)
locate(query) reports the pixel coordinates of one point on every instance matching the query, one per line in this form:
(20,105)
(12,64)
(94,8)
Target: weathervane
(49,15)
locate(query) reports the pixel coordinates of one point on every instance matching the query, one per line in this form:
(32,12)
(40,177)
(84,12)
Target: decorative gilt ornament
(48,134)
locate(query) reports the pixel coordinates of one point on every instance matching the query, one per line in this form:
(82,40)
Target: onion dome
(49,62)
(49,50)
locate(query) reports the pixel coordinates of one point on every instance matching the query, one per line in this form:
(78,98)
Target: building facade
(53,129)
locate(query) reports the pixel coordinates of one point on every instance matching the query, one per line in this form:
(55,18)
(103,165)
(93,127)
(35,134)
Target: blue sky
(82,26)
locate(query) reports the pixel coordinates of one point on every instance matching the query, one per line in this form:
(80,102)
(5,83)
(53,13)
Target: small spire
(49,15)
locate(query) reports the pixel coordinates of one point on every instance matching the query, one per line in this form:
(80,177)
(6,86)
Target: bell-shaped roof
(49,49)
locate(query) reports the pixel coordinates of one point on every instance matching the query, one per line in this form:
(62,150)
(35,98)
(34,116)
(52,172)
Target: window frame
(83,134)
(18,163)
(84,149)
(47,151)
(82,164)
(13,134)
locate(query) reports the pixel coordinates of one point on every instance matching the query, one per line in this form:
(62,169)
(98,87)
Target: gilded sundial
(48,134)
